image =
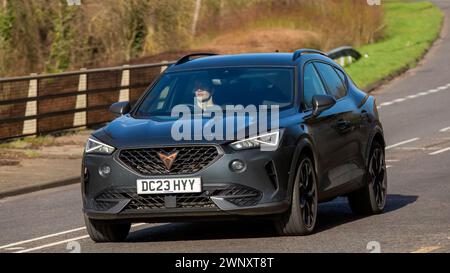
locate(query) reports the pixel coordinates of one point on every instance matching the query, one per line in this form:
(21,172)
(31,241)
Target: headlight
(95,146)
(269,141)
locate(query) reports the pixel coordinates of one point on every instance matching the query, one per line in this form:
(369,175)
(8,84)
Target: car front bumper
(259,190)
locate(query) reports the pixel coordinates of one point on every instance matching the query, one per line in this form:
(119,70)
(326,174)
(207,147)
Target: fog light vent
(271,172)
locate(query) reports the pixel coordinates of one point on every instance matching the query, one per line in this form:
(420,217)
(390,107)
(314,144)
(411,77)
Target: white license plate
(169,185)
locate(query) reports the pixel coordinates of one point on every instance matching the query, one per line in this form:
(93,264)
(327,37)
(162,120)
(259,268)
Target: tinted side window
(312,85)
(332,80)
(341,75)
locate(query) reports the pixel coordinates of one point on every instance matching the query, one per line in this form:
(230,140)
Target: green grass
(32,153)
(411,29)
(29,142)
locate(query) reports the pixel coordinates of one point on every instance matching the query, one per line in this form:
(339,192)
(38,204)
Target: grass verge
(411,28)
(29,142)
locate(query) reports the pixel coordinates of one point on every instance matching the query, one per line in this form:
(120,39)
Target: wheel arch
(305,145)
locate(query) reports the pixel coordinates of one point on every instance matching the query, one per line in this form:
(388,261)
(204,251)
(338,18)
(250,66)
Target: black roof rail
(188,57)
(302,51)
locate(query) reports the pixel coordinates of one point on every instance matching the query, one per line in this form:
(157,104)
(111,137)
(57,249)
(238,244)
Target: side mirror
(321,103)
(120,108)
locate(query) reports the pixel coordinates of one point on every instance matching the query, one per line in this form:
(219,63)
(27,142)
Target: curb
(394,75)
(29,189)
(374,86)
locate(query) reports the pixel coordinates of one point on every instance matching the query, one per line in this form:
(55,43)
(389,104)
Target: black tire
(371,199)
(104,231)
(300,219)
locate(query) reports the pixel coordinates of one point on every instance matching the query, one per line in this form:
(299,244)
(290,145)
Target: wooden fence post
(79,119)
(30,125)
(198,4)
(163,67)
(125,81)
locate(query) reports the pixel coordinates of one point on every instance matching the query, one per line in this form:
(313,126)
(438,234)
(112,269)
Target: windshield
(220,87)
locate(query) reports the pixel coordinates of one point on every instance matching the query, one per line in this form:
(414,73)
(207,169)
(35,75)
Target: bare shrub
(50,36)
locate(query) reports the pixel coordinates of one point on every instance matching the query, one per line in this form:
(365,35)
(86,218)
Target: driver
(203,93)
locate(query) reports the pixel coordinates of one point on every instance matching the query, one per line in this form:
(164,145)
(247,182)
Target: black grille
(188,160)
(185,200)
(103,205)
(246,201)
(155,201)
(241,196)
(237,194)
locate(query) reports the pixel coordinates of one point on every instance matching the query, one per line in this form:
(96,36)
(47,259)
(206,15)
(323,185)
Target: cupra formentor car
(329,143)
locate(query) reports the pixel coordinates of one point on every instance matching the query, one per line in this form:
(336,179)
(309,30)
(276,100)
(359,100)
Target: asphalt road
(415,111)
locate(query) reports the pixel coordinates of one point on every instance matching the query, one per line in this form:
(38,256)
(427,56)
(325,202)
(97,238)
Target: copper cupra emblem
(168,159)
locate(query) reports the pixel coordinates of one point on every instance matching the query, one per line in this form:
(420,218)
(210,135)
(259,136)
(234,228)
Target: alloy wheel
(308,202)
(377,171)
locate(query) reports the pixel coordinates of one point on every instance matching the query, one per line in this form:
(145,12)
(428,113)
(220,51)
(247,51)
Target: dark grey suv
(328,142)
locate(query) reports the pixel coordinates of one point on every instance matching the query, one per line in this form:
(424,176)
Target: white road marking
(42,237)
(53,244)
(426,249)
(444,130)
(388,166)
(440,151)
(392,160)
(414,148)
(63,241)
(401,143)
(14,248)
(424,93)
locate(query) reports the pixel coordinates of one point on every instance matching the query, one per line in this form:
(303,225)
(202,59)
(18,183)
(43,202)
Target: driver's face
(202,93)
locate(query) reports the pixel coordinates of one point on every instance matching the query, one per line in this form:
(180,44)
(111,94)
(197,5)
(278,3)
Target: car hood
(127,131)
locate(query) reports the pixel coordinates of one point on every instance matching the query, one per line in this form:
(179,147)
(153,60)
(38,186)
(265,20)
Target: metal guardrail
(344,51)
(40,104)
(344,55)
